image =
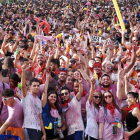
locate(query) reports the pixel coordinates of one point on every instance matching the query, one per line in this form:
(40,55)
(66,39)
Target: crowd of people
(68,70)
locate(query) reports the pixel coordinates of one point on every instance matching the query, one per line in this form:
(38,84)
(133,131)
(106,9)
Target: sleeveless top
(131,121)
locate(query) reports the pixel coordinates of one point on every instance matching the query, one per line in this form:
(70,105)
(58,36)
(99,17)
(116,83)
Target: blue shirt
(46,116)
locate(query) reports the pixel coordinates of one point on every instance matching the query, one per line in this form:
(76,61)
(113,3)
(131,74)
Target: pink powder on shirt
(15,114)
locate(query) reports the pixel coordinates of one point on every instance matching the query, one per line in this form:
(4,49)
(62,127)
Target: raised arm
(92,88)
(133,59)
(33,50)
(49,60)
(119,85)
(44,96)
(23,79)
(126,85)
(15,45)
(79,94)
(3,45)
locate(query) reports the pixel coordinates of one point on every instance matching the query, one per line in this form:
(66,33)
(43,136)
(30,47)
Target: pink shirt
(92,128)
(15,114)
(74,118)
(108,129)
(4,113)
(32,107)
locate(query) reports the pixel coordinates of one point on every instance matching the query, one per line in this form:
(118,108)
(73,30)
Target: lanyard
(117,119)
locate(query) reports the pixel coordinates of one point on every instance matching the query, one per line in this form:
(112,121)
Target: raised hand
(92,81)
(51,53)
(134,45)
(18,38)
(111,45)
(25,66)
(77,46)
(6,37)
(80,79)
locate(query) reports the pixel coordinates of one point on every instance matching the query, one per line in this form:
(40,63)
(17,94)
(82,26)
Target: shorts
(32,134)
(16,131)
(50,134)
(78,135)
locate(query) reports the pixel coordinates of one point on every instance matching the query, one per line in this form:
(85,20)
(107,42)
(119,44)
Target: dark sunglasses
(135,40)
(97,97)
(108,96)
(66,93)
(63,69)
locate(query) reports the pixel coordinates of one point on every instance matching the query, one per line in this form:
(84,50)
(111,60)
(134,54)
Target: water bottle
(118,58)
(96,78)
(137,66)
(59,126)
(40,77)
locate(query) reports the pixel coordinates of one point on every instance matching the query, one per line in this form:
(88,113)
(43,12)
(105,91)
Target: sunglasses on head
(63,69)
(97,97)
(6,98)
(107,96)
(65,93)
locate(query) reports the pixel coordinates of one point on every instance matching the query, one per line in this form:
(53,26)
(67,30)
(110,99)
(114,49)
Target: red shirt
(38,70)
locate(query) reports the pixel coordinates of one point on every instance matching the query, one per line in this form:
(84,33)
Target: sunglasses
(63,69)
(97,97)
(66,93)
(108,96)
(6,98)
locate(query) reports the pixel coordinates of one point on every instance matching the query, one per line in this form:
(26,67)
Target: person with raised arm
(32,108)
(92,108)
(71,109)
(51,111)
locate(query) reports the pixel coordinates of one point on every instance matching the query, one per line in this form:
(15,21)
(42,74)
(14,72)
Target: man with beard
(40,72)
(54,67)
(107,86)
(62,79)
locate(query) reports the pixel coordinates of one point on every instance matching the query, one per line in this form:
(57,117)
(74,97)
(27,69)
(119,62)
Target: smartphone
(114,129)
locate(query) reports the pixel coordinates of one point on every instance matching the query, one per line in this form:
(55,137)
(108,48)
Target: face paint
(132,100)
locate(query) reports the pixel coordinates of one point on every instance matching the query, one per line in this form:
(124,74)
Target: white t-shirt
(32,107)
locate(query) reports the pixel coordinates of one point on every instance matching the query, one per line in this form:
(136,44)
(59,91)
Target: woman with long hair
(92,109)
(110,117)
(132,116)
(9,65)
(14,80)
(51,111)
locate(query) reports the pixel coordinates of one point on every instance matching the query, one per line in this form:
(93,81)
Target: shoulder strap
(3,85)
(2,101)
(1,107)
